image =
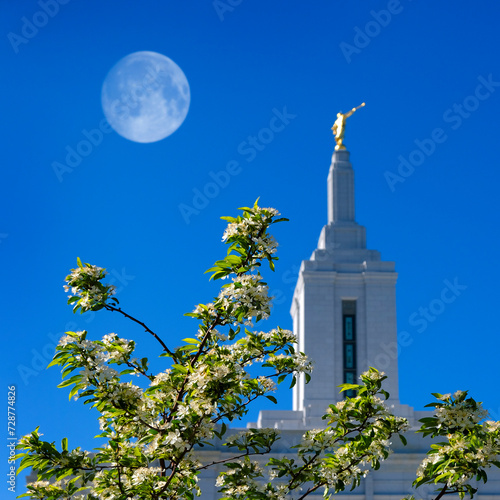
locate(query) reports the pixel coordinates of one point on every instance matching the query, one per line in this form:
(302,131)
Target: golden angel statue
(339,126)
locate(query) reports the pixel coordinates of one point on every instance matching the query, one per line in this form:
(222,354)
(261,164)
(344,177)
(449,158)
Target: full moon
(145,97)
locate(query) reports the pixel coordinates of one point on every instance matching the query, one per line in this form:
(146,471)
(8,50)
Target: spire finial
(339,126)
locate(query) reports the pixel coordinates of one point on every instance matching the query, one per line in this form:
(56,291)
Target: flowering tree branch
(470,448)
(152,430)
(88,293)
(110,307)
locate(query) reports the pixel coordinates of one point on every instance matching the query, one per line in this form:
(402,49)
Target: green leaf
(219,275)
(191,341)
(232,259)
(67,371)
(23,465)
(69,381)
(347,387)
(180,368)
(186,348)
(64,444)
(385,393)
(74,391)
(211,269)
(428,420)
(53,362)
(241,251)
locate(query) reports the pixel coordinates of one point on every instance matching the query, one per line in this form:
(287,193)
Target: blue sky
(424,150)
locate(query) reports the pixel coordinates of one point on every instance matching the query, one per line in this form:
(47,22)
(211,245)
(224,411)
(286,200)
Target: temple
(344,317)
(343,310)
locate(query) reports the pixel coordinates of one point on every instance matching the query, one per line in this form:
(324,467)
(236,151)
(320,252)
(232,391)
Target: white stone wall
(342,268)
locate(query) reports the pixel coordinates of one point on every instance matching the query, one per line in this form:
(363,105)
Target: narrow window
(349,343)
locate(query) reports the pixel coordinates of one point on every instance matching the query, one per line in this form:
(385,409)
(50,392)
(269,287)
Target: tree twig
(121,311)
